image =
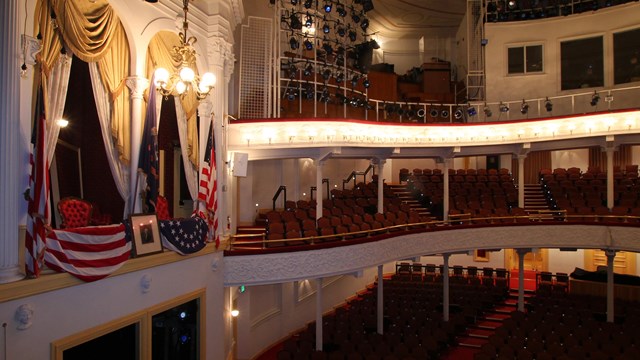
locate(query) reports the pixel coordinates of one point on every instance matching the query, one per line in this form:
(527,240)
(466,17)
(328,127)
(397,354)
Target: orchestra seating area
(585,193)
(413,319)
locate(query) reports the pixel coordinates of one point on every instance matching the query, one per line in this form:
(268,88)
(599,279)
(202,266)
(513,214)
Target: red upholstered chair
(98,217)
(74,212)
(162,208)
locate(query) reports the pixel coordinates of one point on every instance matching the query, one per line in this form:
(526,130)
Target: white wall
(565,261)
(570,158)
(496,260)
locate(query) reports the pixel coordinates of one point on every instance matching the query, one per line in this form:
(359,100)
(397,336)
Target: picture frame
(481,255)
(145,232)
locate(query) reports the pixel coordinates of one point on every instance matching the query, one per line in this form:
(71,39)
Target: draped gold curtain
(93,32)
(159,55)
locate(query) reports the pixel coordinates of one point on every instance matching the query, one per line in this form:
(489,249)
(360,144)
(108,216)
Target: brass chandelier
(185,78)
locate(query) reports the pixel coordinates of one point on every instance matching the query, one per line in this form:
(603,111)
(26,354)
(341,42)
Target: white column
(445,288)
(380,309)
(380,163)
(10,150)
(319,314)
(521,254)
(319,165)
(521,159)
(610,151)
(137,85)
(611,254)
(445,200)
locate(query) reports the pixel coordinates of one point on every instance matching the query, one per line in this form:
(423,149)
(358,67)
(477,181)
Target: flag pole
(135,192)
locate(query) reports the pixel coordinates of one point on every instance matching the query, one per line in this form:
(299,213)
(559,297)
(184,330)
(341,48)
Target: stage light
(472,111)
(367,5)
(548,105)
(327,7)
(433,113)
(294,22)
(352,35)
(400,110)
(308,45)
(354,80)
(291,95)
(595,98)
(308,70)
(327,48)
(341,31)
(308,22)
(355,17)
(326,74)
(504,108)
(366,83)
(309,92)
(341,11)
(444,113)
(487,111)
(340,78)
(294,2)
(364,24)
(524,108)
(511,4)
(325,28)
(458,114)
(420,113)
(308,3)
(294,43)
(390,109)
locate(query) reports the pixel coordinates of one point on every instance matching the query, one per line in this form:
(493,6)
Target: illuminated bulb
(235,312)
(62,123)
(629,122)
(257,205)
(187,75)
(208,79)
(181,87)
(161,76)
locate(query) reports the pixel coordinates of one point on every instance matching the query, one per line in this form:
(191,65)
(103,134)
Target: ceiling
(416,18)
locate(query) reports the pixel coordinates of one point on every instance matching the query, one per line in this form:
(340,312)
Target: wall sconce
(235,313)
(62,123)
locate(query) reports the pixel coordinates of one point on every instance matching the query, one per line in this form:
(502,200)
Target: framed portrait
(481,255)
(146,234)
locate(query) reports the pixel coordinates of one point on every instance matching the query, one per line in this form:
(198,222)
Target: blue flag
(148,160)
(184,236)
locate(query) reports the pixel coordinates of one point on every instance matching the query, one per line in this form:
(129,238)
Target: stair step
(472,342)
(507,308)
(498,317)
(479,333)
(488,324)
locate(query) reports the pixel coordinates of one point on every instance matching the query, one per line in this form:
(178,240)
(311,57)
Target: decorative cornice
(137,85)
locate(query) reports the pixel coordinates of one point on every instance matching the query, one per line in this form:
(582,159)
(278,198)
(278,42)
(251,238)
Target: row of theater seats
(579,194)
(471,275)
(342,214)
(592,173)
(413,326)
(563,326)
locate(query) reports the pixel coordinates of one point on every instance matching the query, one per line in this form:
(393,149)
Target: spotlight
(458,114)
(420,113)
(390,109)
(471,111)
(355,17)
(340,59)
(294,43)
(367,5)
(341,31)
(366,83)
(354,101)
(595,98)
(364,24)
(504,108)
(352,35)
(411,113)
(308,70)
(294,2)
(325,28)
(354,80)
(341,11)
(444,113)
(487,111)
(308,3)
(400,110)
(309,92)
(326,74)
(327,7)
(327,48)
(524,108)
(291,95)
(340,78)
(295,22)
(308,22)
(433,113)
(548,105)
(511,4)
(308,45)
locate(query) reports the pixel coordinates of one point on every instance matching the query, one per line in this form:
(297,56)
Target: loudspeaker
(239,163)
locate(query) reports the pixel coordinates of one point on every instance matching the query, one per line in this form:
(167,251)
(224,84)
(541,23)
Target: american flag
(88,253)
(38,206)
(184,236)
(208,187)
(148,161)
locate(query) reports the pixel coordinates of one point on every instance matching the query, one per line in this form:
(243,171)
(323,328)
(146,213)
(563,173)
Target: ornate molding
(137,85)
(295,266)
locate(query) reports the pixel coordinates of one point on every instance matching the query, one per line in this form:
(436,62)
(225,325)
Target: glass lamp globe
(187,75)
(161,76)
(180,87)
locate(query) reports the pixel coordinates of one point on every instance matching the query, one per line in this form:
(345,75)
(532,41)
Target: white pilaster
(445,180)
(9,147)
(380,163)
(319,196)
(521,159)
(610,151)
(137,85)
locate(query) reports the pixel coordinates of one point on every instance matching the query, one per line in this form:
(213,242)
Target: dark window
(175,333)
(525,59)
(120,344)
(582,63)
(626,56)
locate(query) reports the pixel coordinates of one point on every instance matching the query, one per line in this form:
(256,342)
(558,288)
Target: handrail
(312,240)
(281,189)
(354,175)
(315,188)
